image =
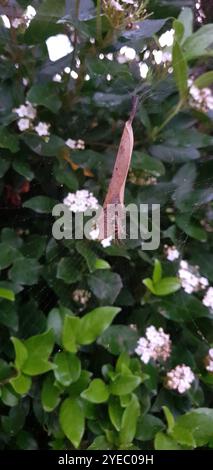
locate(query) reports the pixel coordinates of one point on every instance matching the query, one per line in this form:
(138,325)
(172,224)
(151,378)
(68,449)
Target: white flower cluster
(180,378)
(167,38)
(126,54)
(81,201)
(208,298)
(190,279)
(209,361)
(25,19)
(200,98)
(75,144)
(81,296)
(171,252)
(161,57)
(155,345)
(27,113)
(119,7)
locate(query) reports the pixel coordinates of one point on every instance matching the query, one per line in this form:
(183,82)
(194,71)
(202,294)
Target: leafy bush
(72,372)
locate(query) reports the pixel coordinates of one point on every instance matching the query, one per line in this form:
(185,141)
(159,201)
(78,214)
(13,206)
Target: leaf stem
(171,115)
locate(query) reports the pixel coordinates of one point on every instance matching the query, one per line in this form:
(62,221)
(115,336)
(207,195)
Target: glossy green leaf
(50,394)
(180,70)
(97,392)
(71,419)
(129,421)
(39,348)
(68,368)
(94,323)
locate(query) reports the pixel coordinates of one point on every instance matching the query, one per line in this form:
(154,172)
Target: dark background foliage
(66,379)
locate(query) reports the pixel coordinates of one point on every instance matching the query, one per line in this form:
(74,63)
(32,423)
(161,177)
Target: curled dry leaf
(110,220)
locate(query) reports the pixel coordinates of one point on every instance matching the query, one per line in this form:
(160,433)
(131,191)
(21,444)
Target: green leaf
(20,351)
(67,271)
(142,161)
(50,394)
(101,264)
(204,80)
(8,396)
(157,273)
(115,412)
(40,204)
(164,442)
(51,148)
(97,392)
(100,443)
(179,30)
(25,271)
(184,437)
(34,246)
(70,333)
(71,419)
(4,166)
(199,423)
(68,368)
(8,254)
(167,286)
(169,418)
(149,284)
(119,338)
(15,420)
(21,384)
(124,384)
(186,18)
(87,253)
(45,95)
(129,421)
(22,167)
(8,315)
(39,348)
(180,70)
(198,43)
(190,228)
(105,285)
(7,294)
(147,427)
(94,323)
(8,140)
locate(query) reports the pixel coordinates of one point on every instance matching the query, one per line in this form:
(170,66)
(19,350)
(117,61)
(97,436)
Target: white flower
(190,278)
(209,361)
(116,5)
(16,22)
(208,299)
(155,345)
(42,129)
(201,98)
(81,201)
(75,144)
(94,233)
(81,296)
(106,242)
(126,54)
(71,143)
(143,69)
(180,378)
(23,124)
(167,38)
(26,110)
(171,252)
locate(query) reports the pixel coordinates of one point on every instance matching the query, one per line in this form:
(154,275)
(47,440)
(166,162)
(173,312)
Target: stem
(98,22)
(167,120)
